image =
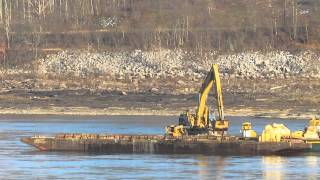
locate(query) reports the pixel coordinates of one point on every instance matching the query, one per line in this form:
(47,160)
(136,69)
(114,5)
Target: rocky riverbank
(178,63)
(166,82)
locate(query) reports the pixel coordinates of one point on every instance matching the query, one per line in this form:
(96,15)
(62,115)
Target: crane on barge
(203,122)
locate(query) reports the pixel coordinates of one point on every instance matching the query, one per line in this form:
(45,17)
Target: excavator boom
(213,78)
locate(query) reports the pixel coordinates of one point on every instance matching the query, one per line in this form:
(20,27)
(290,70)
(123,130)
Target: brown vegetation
(28,26)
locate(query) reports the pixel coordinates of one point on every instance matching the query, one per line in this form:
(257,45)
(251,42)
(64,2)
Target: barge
(159,144)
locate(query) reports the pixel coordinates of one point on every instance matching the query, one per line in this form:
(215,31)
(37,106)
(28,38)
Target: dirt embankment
(163,82)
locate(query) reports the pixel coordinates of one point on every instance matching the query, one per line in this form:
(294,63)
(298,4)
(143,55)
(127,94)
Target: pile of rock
(272,64)
(135,63)
(179,63)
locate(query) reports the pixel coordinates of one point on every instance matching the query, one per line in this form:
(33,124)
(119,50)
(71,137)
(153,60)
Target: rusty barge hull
(108,144)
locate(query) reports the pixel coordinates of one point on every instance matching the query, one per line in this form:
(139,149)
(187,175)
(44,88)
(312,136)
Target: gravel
(179,63)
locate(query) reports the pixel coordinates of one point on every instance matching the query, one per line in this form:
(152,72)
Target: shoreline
(273,98)
(76,111)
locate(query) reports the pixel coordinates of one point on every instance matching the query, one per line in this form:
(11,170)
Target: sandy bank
(82,111)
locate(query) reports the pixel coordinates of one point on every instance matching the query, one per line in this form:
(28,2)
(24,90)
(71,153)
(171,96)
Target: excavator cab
(183,119)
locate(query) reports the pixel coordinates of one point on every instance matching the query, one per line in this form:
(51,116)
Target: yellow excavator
(203,122)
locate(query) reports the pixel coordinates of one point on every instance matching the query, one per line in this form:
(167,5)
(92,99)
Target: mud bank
(86,102)
(270,113)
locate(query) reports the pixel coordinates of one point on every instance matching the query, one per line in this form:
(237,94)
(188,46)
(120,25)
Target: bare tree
(294,18)
(1,16)
(240,25)
(39,8)
(7,21)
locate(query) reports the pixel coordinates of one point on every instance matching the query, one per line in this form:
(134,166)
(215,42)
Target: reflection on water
(203,163)
(209,164)
(312,163)
(281,167)
(20,161)
(272,167)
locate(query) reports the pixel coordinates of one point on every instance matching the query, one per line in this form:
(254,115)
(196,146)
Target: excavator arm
(212,80)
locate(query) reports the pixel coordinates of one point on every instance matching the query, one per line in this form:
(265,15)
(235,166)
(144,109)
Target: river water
(20,161)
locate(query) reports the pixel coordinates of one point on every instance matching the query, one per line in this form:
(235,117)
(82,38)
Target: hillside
(31,28)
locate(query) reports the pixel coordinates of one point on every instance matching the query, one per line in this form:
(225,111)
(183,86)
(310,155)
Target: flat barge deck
(159,144)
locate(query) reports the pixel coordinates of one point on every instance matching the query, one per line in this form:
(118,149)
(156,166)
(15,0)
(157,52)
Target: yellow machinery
(315,123)
(313,130)
(247,131)
(297,134)
(175,131)
(311,133)
(274,132)
(202,122)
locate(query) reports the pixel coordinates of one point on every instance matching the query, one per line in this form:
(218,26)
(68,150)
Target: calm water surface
(20,161)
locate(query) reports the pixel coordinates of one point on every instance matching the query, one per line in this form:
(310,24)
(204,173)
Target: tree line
(223,25)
